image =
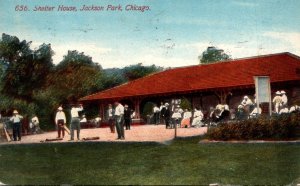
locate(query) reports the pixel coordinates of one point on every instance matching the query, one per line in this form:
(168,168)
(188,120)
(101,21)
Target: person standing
(16,119)
(284,99)
(167,115)
(110,119)
(60,121)
(119,116)
(75,121)
(176,116)
(162,106)
(127,117)
(156,114)
(277,101)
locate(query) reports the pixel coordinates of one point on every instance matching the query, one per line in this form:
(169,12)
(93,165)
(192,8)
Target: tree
(74,77)
(213,54)
(25,70)
(133,72)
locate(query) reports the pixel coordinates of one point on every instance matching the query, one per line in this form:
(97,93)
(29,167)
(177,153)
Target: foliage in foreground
(283,126)
(183,162)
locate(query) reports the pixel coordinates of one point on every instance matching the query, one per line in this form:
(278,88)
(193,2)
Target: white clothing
(119,110)
(35,120)
(219,106)
(198,114)
(83,120)
(110,112)
(60,115)
(284,110)
(284,99)
(97,119)
(180,110)
(255,112)
(226,107)
(16,118)
(155,109)
(246,102)
(277,100)
(75,110)
(132,115)
(161,107)
(187,115)
(294,108)
(176,115)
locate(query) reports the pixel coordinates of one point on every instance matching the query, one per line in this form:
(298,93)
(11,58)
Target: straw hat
(278,93)
(15,112)
(282,92)
(60,108)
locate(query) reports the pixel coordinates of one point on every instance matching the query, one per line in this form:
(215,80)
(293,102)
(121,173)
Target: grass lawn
(184,161)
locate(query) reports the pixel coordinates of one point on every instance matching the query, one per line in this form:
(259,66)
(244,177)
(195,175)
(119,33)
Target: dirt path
(145,133)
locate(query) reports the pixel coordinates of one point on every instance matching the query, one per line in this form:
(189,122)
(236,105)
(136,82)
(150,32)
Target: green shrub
(283,126)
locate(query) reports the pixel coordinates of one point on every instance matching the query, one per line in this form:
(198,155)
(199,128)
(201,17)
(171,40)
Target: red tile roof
(234,73)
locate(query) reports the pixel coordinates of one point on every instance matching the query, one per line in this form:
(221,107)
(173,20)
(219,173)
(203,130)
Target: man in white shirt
(156,114)
(16,120)
(277,100)
(110,118)
(176,116)
(75,121)
(284,98)
(60,121)
(119,117)
(162,106)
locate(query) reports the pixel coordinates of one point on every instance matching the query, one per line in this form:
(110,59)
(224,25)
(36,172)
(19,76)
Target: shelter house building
(206,85)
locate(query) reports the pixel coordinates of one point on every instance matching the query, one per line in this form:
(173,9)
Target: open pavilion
(206,85)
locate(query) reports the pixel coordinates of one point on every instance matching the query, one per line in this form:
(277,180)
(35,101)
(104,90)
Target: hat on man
(282,92)
(245,97)
(278,93)
(60,108)
(15,112)
(125,105)
(166,104)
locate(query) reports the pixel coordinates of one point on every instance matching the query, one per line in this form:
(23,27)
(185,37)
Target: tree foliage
(32,84)
(24,70)
(213,54)
(75,77)
(133,72)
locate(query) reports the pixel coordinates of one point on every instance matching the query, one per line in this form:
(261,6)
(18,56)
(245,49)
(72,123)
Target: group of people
(173,116)
(119,117)
(280,103)
(17,121)
(76,120)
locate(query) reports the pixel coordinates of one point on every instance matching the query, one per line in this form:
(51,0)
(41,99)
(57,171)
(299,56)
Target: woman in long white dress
(198,117)
(186,121)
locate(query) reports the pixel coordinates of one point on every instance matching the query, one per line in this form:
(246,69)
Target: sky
(168,33)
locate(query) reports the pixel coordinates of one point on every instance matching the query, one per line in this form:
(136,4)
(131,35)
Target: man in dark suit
(166,113)
(127,117)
